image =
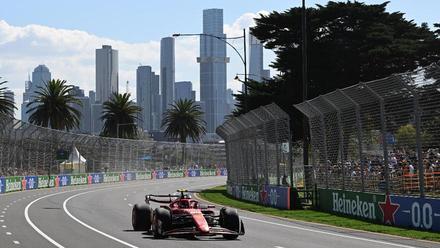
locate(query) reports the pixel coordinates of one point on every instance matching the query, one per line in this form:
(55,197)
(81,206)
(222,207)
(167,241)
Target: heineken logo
(249,195)
(78,180)
(111,178)
(13,185)
(355,207)
(388,209)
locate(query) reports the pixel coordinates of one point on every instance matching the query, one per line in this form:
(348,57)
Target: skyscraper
(255,59)
(183,90)
(156,111)
(85,123)
(143,95)
(167,71)
(40,76)
(213,62)
(107,75)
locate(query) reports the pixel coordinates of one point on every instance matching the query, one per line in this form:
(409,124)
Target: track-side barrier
(21,183)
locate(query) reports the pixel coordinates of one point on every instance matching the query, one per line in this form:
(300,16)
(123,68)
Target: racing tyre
(161,222)
(141,217)
(229,219)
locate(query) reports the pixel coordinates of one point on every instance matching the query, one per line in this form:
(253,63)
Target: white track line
(90,227)
(29,221)
(329,233)
(96,230)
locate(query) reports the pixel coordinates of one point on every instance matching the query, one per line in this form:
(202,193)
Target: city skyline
(30,40)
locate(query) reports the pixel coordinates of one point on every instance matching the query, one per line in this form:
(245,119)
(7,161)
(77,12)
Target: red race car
(185,217)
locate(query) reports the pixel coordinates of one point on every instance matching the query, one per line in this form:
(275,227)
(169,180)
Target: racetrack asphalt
(100,216)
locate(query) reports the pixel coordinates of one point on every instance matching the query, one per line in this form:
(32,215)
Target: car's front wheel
(161,222)
(229,219)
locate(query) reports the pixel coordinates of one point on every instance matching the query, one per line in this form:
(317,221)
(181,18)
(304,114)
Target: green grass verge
(219,195)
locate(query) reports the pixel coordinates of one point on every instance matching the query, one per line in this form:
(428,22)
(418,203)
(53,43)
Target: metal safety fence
(27,149)
(379,136)
(258,148)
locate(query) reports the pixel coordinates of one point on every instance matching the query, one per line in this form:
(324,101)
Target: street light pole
(304,82)
(243,58)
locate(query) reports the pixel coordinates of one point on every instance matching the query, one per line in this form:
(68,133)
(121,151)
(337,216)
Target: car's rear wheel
(141,217)
(229,219)
(161,222)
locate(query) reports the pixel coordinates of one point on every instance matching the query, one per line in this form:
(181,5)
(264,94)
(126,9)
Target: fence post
(417,111)
(383,128)
(341,137)
(324,139)
(359,136)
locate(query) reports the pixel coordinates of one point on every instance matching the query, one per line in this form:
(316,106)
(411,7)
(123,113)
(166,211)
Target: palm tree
(7,105)
(183,120)
(120,113)
(53,106)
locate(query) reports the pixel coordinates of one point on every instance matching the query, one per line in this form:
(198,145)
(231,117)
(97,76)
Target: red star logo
(263,195)
(388,210)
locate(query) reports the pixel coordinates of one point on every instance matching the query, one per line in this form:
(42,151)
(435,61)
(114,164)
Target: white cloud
(70,55)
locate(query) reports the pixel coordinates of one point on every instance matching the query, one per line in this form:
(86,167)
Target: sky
(64,35)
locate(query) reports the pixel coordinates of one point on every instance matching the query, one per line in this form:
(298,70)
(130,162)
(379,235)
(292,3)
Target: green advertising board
(111,177)
(143,175)
(353,204)
(78,179)
(44,182)
(175,173)
(250,193)
(13,184)
(208,172)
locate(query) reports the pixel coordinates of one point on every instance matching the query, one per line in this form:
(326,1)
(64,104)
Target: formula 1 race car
(185,217)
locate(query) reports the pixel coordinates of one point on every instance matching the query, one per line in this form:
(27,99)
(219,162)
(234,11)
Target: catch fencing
(379,136)
(258,149)
(27,149)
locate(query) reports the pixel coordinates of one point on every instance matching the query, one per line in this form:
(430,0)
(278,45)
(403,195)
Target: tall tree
(7,105)
(183,120)
(348,42)
(120,115)
(53,106)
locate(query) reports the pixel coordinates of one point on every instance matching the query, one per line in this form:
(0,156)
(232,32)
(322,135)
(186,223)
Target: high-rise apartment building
(148,98)
(143,95)
(167,71)
(107,76)
(40,76)
(85,123)
(213,62)
(183,90)
(255,59)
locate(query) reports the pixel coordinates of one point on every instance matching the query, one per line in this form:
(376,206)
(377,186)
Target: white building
(255,59)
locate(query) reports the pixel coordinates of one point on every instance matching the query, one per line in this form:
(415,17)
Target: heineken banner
(30,182)
(2,185)
(143,175)
(111,177)
(78,179)
(17,183)
(44,182)
(250,193)
(13,184)
(208,172)
(175,173)
(410,212)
